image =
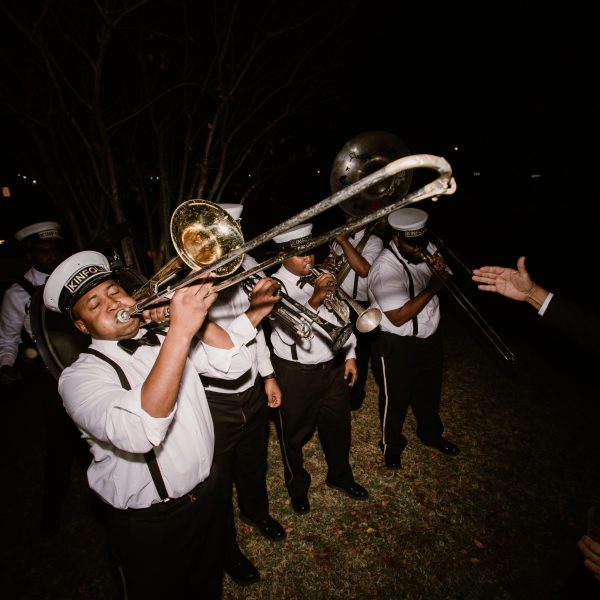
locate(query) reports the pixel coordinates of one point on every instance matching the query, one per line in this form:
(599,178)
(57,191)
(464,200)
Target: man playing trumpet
(313,380)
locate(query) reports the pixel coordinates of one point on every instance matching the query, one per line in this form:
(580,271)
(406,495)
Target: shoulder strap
(411,292)
(26,285)
(150,456)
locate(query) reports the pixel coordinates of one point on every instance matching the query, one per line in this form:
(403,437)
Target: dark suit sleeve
(575,322)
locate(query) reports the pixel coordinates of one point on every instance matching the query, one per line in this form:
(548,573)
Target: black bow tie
(148,339)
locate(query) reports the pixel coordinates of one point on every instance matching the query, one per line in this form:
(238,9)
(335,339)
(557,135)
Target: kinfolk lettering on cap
(79,278)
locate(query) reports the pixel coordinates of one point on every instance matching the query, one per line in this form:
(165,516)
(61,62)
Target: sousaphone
(363,155)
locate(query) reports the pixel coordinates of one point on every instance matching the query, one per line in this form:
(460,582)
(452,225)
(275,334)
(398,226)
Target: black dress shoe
(393,461)
(242,571)
(269,527)
(445,447)
(354,490)
(300,504)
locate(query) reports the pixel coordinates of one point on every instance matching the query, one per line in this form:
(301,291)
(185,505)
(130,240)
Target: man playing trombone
(313,380)
(139,403)
(404,287)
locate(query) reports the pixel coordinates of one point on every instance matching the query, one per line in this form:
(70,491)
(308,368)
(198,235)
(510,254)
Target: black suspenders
(411,293)
(150,456)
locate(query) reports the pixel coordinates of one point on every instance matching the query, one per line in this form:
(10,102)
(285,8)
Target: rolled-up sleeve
(105,411)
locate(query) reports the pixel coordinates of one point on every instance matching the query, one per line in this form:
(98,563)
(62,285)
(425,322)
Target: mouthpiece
(123,316)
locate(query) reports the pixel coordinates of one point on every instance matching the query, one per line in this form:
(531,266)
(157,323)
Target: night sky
(503,93)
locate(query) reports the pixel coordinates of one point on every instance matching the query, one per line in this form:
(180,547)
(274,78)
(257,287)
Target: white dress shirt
(14,314)
(370,252)
(389,289)
(119,431)
(310,351)
(232,302)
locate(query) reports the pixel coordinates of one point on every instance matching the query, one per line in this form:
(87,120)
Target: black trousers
(314,397)
(172,549)
(241,423)
(364,343)
(410,376)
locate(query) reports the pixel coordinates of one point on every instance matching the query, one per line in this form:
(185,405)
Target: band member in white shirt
(24,376)
(358,250)
(240,412)
(139,403)
(404,287)
(313,380)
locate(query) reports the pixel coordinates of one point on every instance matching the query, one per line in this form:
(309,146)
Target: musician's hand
(273,392)
(343,237)
(190,304)
(265,294)
(9,375)
(322,285)
(591,554)
(350,371)
(158,313)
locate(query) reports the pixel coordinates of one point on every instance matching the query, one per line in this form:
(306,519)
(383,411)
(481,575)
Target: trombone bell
(202,233)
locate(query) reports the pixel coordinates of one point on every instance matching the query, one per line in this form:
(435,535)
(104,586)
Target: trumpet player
(313,381)
(409,348)
(356,252)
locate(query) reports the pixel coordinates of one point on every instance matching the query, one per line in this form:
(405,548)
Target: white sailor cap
(39,232)
(234,210)
(295,237)
(74,277)
(410,222)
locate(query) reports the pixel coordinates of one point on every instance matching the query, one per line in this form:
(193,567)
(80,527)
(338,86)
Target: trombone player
(409,348)
(139,403)
(313,380)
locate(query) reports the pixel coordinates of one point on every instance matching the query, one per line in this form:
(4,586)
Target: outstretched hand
(515,284)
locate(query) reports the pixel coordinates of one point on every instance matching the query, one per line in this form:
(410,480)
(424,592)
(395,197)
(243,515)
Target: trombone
(464,302)
(209,245)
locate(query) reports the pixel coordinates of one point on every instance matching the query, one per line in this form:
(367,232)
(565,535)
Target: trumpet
(210,255)
(299,320)
(340,303)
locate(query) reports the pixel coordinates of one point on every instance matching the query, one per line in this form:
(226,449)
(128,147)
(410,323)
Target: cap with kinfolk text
(411,223)
(234,210)
(295,237)
(44,231)
(74,277)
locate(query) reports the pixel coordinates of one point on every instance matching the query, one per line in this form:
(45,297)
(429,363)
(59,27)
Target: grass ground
(497,522)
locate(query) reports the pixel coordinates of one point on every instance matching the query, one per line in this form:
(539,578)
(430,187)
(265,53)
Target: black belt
(315,367)
(160,507)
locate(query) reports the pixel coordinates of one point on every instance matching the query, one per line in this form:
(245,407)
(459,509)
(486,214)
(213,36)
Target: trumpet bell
(368,320)
(361,156)
(202,233)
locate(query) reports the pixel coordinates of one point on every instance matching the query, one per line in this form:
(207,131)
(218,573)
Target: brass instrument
(299,320)
(213,256)
(341,266)
(360,156)
(340,303)
(201,232)
(464,302)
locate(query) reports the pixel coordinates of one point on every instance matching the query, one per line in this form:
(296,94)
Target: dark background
(503,94)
